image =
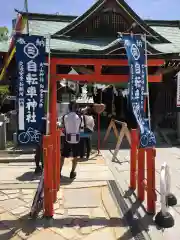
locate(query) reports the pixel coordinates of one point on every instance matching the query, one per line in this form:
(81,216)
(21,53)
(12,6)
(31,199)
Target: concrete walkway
(120,170)
(85,208)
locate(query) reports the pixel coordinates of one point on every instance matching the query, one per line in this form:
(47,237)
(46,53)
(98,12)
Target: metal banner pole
(48,87)
(26,8)
(147,82)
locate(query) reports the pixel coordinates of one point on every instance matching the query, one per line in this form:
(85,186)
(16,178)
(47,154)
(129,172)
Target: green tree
(4,33)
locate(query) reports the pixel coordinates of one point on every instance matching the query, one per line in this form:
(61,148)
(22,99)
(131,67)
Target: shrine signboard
(30,59)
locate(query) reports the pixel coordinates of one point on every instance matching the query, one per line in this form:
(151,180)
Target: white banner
(21,114)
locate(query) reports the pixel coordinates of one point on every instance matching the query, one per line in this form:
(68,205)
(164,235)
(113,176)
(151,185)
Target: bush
(4,91)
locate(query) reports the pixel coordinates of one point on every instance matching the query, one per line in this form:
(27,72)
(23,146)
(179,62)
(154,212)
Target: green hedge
(4,90)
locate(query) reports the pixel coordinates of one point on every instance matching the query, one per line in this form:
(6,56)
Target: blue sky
(153,9)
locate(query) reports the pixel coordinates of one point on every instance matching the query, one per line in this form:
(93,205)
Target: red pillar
(151,194)
(133,160)
(141,173)
(58,156)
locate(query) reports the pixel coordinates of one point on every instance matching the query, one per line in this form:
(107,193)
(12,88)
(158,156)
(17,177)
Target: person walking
(71,138)
(87,128)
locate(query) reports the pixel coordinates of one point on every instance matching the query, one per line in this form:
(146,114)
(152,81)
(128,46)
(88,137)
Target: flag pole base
(164,221)
(171,199)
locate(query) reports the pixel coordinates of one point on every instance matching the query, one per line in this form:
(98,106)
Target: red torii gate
(52,179)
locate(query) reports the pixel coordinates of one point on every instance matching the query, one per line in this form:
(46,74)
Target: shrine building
(87,48)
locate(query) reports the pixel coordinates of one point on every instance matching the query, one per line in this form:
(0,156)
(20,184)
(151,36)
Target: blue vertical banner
(135,49)
(31,82)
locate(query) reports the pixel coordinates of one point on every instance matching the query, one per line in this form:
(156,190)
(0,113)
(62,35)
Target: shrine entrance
(91,69)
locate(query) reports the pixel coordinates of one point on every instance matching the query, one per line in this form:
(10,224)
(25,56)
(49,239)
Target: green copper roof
(44,28)
(170,33)
(76,46)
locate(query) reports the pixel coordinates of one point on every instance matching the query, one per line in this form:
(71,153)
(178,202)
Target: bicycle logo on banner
(31,135)
(148,139)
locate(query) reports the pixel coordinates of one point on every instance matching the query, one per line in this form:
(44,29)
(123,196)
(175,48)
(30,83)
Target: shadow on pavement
(131,215)
(28,176)
(65,180)
(27,226)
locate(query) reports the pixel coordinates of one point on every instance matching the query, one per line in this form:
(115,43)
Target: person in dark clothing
(119,105)
(88,128)
(107,99)
(89,124)
(97,98)
(129,115)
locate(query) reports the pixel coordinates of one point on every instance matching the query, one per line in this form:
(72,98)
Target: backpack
(72,124)
(87,129)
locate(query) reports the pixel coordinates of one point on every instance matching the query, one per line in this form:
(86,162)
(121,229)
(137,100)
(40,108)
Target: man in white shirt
(72,124)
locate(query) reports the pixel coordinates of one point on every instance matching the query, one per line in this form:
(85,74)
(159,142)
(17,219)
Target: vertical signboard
(135,49)
(30,60)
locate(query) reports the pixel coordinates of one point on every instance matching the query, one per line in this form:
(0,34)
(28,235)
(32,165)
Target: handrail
(124,132)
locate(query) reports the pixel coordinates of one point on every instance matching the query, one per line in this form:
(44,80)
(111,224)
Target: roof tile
(44,28)
(170,33)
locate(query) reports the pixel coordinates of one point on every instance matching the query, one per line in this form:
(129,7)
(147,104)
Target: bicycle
(148,139)
(30,135)
(38,201)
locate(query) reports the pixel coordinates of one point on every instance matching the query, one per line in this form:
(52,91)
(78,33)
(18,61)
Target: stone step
(16,158)
(18,150)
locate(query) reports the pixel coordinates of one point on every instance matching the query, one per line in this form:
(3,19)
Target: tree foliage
(4,33)
(4,92)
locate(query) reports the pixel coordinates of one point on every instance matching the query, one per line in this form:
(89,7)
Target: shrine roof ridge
(47,17)
(163,23)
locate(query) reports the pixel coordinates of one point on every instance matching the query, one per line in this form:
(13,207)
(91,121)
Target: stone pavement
(120,170)
(85,208)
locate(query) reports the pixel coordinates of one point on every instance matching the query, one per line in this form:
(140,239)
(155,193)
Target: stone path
(120,170)
(84,210)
